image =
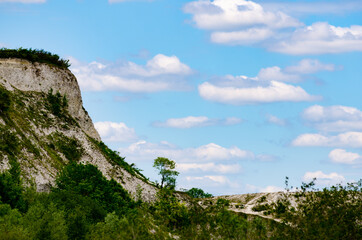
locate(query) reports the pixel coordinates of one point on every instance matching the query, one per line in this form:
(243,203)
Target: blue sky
(239,93)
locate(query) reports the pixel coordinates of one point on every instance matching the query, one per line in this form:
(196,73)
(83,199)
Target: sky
(240,94)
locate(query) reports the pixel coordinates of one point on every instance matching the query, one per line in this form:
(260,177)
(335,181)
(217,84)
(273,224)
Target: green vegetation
(116,160)
(35,55)
(83,204)
(330,213)
(57,103)
(198,193)
(5,100)
(70,147)
(165,168)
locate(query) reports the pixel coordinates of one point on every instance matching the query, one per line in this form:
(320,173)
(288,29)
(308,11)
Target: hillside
(44,126)
(59,181)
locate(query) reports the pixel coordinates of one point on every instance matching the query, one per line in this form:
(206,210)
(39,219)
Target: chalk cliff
(44,132)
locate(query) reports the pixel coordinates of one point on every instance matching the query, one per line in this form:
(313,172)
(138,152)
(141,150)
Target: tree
(198,193)
(165,167)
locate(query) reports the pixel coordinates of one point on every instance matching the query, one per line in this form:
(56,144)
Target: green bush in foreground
(330,213)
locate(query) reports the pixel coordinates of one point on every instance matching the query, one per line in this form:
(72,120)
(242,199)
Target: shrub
(35,55)
(5,100)
(88,181)
(330,213)
(198,193)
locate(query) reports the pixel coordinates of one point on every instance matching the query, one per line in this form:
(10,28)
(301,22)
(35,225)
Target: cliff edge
(44,126)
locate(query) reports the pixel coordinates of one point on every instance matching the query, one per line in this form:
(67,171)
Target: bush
(57,103)
(11,189)
(88,181)
(5,100)
(330,213)
(35,55)
(198,193)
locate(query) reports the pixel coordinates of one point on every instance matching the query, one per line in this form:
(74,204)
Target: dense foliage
(198,193)
(4,100)
(83,204)
(166,170)
(57,103)
(330,213)
(115,159)
(35,55)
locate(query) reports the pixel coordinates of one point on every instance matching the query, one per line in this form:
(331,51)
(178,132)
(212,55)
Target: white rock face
(38,77)
(35,78)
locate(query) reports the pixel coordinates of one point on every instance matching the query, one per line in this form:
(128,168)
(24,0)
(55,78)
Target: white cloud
(277,74)
(115,132)
(273,92)
(268,189)
(323,178)
(241,22)
(321,38)
(348,139)
(309,66)
(334,118)
(191,121)
(143,150)
(242,37)
(271,189)
(208,167)
(315,7)
(235,14)
(342,156)
(275,120)
(120,1)
(212,180)
(268,86)
(237,22)
(23,1)
(161,73)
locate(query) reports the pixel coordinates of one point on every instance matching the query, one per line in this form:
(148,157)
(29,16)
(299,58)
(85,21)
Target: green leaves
(165,167)
(88,181)
(198,193)
(35,55)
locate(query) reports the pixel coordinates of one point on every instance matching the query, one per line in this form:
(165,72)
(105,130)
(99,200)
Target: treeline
(35,55)
(83,204)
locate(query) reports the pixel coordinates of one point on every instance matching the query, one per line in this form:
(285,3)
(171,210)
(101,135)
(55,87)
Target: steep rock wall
(37,128)
(38,77)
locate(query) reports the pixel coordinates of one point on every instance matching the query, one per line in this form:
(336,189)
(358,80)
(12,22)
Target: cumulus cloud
(309,66)
(143,150)
(212,180)
(347,139)
(272,92)
(270,85)
(161,73)
(115,132)
(191,122)
(344,157)
(120,1)
(237,22)
(241,22)
(315,7)
(334,118)
(275,120)
(242,37)
(323,178)
(267,189)
(321,38)
(209,167)
(235,14)
(23,1)
(277,74)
